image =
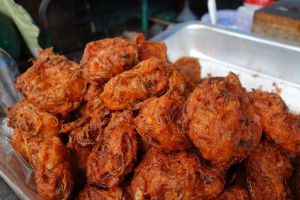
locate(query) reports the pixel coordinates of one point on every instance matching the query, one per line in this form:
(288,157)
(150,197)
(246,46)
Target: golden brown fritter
(174,176)
(92,48)
(279,126)
(103,59)
(235,192)
(19,143)
(148,78)
(53,83)
(190,68)
(221,121)
(113,157)
(159,122)
(268,173)
(149,49)
(53,175)
(93,91)
(94,193)
(31,121)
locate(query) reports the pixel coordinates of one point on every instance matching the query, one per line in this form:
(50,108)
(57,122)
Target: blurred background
(69,24)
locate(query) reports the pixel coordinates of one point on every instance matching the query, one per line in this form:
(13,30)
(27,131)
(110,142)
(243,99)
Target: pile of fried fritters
(128,124)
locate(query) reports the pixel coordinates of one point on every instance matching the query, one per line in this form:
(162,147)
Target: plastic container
(8,73)
(225,19)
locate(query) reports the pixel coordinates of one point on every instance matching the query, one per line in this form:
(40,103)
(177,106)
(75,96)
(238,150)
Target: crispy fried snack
(31,121)
(53,175)
(221,121)
(174,176)
(53,83)
(159,122)
(236,192)
(114,156)
(148,78)
(279,126)
(103,59)
(94,193)
(190,68)
(268,173)
(19,143)
(147,49)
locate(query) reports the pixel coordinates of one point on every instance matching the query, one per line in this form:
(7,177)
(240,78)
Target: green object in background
(144,15)
(24,22)
(9,37)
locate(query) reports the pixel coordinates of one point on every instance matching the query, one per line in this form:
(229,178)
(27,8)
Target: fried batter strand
(148,78)
(236,192)
(268,173)
(94,193)
(53,83)
(31,121)
(221,122)
(279,126)
(19,143)
(159,122)
(113,157)
(174,176)
(103,59)
(147,49)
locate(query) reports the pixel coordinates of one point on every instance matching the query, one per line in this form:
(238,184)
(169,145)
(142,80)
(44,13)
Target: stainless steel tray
(259,62)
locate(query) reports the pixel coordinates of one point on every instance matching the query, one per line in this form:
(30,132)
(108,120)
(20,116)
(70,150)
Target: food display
(126,123)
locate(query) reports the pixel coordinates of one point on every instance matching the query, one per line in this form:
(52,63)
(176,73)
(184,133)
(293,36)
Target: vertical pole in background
(144,17)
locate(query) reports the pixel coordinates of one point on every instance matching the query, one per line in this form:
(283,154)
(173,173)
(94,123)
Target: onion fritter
(113,157)
(221,121)
(94,193)
(174,176)
(148,78)
(234,193)
(159,122)
(279,126)
(103,59)
(149,49)
(268,173)
(19,143)
(53,83)
(190,68)
(31,121)
(53,175)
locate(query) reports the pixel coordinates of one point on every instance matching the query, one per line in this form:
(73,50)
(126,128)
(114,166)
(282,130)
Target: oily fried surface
(103,59)
(114,155)
(148,78)
(268,173)
(174,176)
(94,193)
(221,122)
(235,192)
(279,126)
(19,143)
(53,175)
(149,49)
(190,68)
(31,121)
(159,122)
(53,83)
